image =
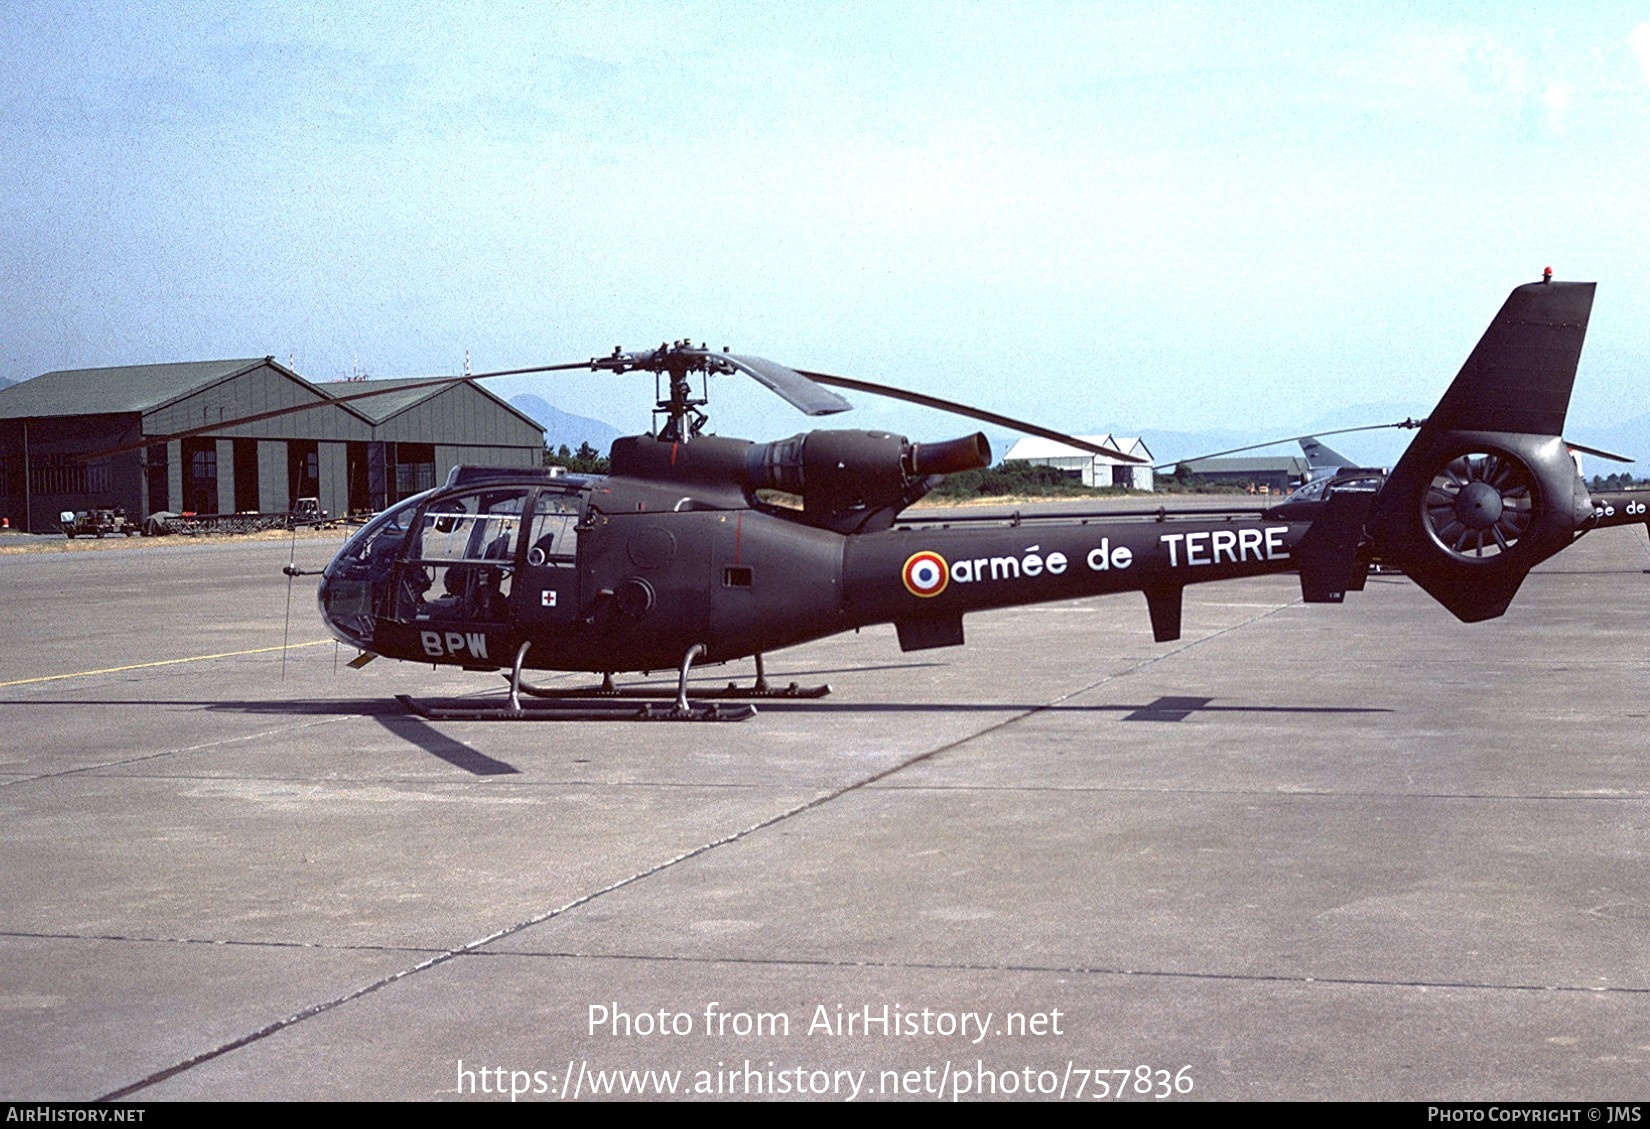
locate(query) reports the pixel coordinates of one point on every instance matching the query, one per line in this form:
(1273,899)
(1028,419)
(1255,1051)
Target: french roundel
(926,574)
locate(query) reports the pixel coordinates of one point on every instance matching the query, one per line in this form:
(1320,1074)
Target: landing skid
(732,692)
(599,705)
(470,709)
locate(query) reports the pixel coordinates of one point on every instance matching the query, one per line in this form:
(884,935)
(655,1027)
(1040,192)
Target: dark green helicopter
(683,554)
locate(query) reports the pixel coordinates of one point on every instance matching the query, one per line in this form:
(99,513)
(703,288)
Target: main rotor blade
(1409,423)
(791,386)
(401,386)
(980,414)
(1405,423)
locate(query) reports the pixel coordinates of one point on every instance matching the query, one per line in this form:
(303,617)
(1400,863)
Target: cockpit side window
(471,527)
(552,535)
(461,561)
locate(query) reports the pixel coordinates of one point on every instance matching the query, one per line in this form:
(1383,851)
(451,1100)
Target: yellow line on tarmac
(161,662)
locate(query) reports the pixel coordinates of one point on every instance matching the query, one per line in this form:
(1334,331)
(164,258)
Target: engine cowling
(849,481)
(856,481)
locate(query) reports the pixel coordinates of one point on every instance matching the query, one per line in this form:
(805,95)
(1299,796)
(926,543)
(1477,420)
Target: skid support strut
(693,652)
(515,676)
(762,688)
(598,708)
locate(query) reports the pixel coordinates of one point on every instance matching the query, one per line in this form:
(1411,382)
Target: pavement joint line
(159,662)
(1085,970)
(172,752)
(415,781)
(225,942)
(1304,793)
(584,899)
(1054,703)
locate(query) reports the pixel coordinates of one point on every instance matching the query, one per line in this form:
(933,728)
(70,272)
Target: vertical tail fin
(1321,459)
(1487,490)
(1519,377)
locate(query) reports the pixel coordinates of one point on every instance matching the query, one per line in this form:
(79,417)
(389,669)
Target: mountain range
(564,428)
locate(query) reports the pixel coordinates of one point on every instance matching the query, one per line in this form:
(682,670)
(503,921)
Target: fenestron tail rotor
(1479,505)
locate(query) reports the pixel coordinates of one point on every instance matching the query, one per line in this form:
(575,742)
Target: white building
(1094,470)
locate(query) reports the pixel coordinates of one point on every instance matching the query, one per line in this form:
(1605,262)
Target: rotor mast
(683,418)
(676,363)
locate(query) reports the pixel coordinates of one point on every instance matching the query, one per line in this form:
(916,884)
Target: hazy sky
(1158,215)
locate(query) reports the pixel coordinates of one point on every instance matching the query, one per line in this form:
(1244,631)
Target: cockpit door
(454,582)
(548,592)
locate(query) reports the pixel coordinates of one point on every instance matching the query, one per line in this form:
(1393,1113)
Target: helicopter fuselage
(612,574)
(688,550)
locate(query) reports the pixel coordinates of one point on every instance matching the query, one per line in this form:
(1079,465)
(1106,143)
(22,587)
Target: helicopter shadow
(419,733)
(1168,708)
(335,707)
(388,710)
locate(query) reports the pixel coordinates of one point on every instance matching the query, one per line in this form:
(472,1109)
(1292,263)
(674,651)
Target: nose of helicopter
(358,578)
(345,606)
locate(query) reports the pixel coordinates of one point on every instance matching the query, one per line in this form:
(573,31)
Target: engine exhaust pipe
(971,452)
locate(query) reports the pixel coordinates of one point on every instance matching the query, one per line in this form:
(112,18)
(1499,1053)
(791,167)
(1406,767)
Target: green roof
(144,388)
(398,395)
(1287,464)
(130,388)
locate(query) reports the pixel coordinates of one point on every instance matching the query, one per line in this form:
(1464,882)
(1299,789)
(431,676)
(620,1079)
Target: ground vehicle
(96,522)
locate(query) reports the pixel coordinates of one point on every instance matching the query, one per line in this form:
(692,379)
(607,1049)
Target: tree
(586,460)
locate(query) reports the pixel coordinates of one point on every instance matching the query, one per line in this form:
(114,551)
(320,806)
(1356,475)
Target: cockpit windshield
(380,539)
(353,584)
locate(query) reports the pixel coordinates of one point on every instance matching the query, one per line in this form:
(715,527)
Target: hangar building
(355,455)
(1092,469)
(1278,475)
